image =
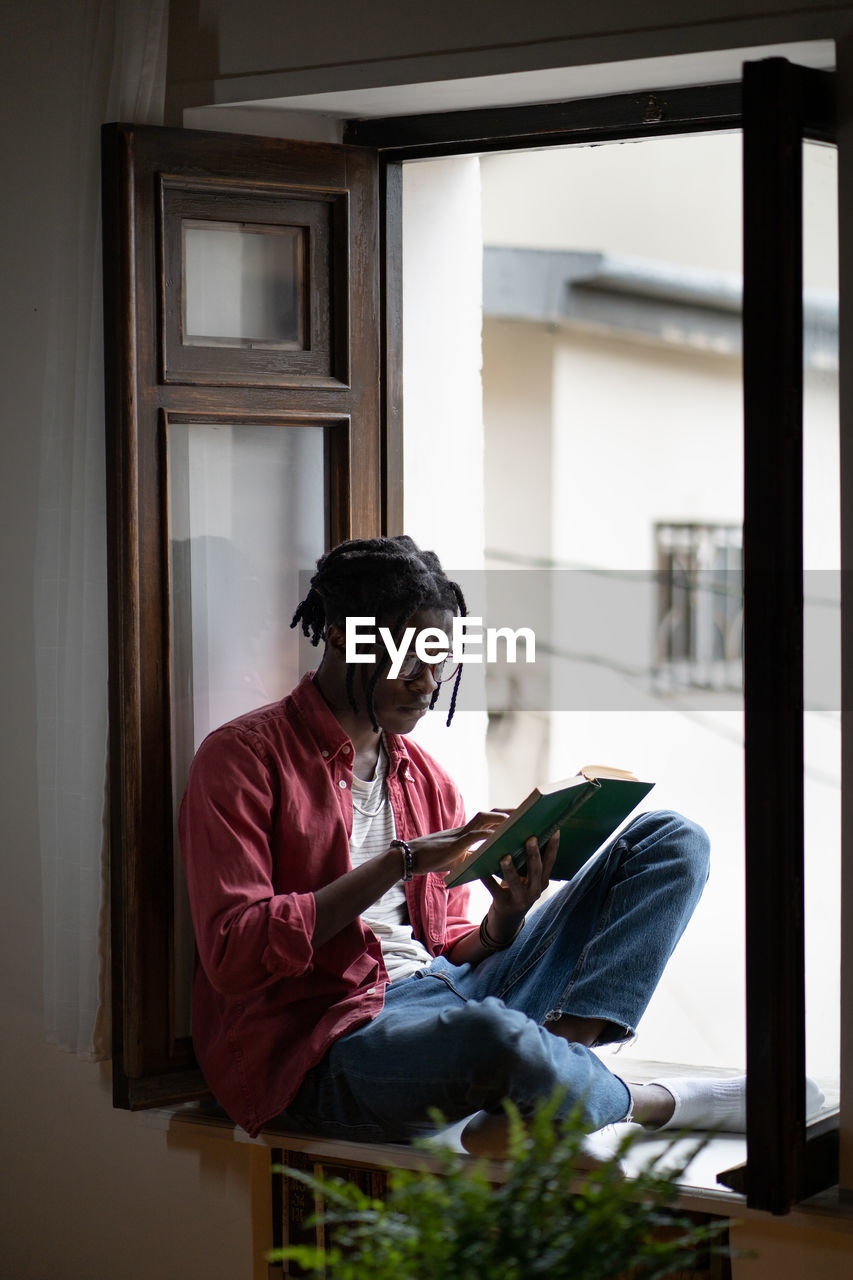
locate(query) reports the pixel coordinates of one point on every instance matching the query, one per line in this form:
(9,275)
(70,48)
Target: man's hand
(339,903)
(442,850)
(513,896)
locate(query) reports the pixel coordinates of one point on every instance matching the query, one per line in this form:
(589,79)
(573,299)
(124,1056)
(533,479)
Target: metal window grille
(699,640)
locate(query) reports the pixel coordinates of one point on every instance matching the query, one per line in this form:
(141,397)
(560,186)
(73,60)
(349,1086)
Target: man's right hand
(340,902)
(442,850)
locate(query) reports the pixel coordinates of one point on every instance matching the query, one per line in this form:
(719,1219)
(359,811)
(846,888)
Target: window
(160,381)
(243,437)
(699,606)
(780,106)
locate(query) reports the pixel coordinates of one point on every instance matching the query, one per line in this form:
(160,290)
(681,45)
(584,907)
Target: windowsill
(700,1193)
(706,1199)
(700,1190)
(719,1152)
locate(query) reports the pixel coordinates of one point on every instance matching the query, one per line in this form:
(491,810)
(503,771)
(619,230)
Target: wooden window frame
(153,1062)
(325,222)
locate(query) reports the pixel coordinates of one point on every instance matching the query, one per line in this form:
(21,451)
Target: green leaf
(547,1218)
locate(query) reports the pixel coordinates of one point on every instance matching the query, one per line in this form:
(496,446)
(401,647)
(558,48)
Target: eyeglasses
(442,671)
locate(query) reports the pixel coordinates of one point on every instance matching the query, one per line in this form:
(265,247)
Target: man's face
(399,704)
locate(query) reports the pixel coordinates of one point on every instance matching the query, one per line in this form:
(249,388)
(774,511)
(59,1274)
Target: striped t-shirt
(372,831)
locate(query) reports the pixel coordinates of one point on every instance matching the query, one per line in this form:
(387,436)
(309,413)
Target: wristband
(488,942)
(408,859)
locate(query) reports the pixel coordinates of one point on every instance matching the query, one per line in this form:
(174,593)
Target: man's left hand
(514,895)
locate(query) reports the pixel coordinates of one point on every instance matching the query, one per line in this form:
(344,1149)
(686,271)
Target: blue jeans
(462,1038)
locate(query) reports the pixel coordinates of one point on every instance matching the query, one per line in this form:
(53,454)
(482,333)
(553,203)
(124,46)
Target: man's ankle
(652,1105)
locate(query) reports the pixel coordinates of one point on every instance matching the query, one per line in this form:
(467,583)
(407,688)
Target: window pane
(822,631)
(243,285)
(246,513)
(612,386)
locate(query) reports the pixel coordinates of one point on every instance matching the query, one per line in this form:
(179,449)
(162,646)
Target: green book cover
(586,809)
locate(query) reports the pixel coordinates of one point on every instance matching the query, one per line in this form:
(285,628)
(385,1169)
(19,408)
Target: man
(341,985)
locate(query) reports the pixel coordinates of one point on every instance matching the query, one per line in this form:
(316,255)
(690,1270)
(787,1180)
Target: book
(586,809)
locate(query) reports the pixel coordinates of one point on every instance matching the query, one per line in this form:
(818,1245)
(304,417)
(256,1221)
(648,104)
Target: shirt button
(324,753)
(345,750)
(342,784)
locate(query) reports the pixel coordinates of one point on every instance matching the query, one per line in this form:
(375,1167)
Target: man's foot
(486,1135)
(714,1102)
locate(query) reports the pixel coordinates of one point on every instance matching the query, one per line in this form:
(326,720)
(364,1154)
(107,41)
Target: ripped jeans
(462,1038)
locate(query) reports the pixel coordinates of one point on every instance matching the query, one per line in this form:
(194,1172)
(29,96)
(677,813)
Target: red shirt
(266,820)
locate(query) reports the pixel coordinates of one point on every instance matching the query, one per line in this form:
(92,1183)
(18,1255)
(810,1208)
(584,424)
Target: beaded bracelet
(408,859)
(488,943)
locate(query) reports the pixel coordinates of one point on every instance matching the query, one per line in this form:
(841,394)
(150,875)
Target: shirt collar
(329,734)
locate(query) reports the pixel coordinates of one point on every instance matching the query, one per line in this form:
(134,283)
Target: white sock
(719,1102)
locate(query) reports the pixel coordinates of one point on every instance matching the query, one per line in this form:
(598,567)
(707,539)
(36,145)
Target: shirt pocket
(435,902)
(363,970)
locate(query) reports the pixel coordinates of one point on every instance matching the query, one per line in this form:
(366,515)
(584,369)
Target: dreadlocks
(373,577)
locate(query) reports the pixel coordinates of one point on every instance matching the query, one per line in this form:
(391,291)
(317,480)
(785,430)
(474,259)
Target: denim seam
(516,976)
(443,977)
(551,938)
(577,972)
(373,1078)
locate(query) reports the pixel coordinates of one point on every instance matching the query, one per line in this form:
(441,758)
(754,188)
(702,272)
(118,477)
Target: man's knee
(492,1032)
(693,847)
(504,1052)
(686,843)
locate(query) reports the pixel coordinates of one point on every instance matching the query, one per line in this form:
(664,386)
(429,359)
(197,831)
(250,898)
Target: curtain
(119,47)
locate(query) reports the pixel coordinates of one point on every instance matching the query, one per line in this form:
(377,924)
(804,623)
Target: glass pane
(246,514)
(628,383)
(243,285)
(821,554)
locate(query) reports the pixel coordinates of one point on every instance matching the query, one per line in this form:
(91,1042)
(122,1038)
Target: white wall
(90,1192)
(640,433)
(633,196)
(518,394)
